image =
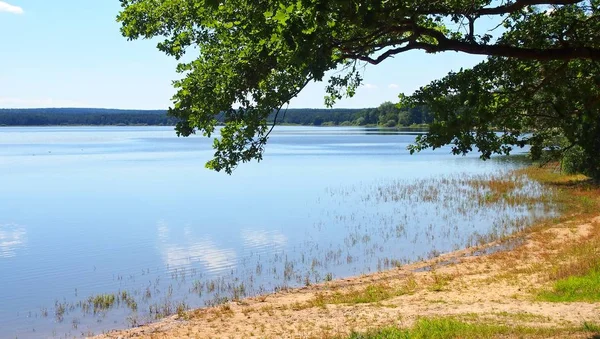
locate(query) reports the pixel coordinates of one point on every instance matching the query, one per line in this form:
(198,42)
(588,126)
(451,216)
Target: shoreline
(459,284)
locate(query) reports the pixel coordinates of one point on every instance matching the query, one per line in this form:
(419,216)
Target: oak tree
(249,58)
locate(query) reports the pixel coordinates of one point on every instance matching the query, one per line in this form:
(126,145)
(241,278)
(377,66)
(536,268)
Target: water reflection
(12,237)
(260,239)
(193,250)
(129,169)
(351,130)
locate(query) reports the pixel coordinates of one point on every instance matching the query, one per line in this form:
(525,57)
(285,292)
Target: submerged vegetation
(402,221)
(540,236)
(570,270)
(499,294)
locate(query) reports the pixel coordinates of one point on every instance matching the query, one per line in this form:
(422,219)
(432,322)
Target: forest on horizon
(387,114)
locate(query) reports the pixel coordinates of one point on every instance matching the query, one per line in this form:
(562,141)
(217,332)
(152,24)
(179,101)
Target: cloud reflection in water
(12,236)
(181,249)
(262,239)
(201,250)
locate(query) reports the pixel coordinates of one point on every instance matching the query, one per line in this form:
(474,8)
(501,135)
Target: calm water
(86,211)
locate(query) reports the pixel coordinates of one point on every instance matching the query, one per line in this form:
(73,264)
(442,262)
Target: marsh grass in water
(102,302)
(396,222)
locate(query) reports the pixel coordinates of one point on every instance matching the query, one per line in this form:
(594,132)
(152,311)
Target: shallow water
(93,210)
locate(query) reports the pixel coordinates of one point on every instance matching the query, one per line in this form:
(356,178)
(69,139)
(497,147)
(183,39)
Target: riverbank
(507,288)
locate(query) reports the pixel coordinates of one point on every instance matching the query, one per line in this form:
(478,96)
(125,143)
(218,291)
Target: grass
(520,317)
(440,282)
(591,327)
(447,327)
(579,259)
(102,302)
(574,288)
(576,270)
(370,294)
(576,194)
(571,266)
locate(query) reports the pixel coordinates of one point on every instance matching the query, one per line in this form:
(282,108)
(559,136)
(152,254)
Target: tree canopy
(249,58)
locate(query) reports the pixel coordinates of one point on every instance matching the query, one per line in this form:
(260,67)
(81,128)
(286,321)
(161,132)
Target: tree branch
(520,4)
(560,53)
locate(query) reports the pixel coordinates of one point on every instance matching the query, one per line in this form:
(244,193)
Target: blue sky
(69,53)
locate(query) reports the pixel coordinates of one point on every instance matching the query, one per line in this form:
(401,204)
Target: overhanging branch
(509,7)
(561,53)
(512,7)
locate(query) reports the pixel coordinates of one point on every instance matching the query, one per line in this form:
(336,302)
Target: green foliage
(303,116)
(550,105)
(390,123)
(97,116)
(577,160)
(251,57)
(390,115)
(506,103)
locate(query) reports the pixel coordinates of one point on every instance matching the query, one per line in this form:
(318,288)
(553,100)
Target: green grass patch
(102,302)
(371,294)
(591,327)
(575,288)
(438,328)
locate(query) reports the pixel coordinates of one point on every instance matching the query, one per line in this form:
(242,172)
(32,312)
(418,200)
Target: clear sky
(70,53)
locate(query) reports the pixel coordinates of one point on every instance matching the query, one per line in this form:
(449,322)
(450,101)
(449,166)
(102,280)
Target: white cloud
(6,7)
(370,86)
(394,86)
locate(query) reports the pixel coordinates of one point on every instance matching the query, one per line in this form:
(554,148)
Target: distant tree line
(83,116)
(390,115)
(387,114)
(317,117)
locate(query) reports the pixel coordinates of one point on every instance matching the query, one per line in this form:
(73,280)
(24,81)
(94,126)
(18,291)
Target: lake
(109,227)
